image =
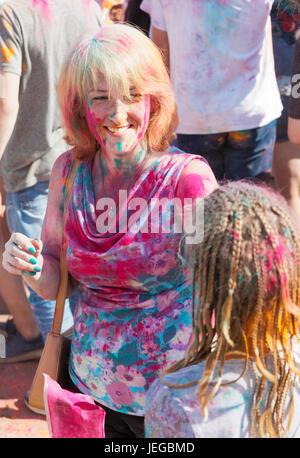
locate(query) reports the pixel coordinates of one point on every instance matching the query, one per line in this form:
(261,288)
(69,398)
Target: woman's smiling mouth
(118,130)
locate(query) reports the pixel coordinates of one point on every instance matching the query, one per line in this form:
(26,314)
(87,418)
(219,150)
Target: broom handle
(64,275)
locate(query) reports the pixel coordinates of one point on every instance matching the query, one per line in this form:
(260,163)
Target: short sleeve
(11,41)
(155,9)
(294,101)
(164,417)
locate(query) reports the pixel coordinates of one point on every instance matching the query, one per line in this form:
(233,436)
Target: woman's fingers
(23,242)
(22,255)
(37,245)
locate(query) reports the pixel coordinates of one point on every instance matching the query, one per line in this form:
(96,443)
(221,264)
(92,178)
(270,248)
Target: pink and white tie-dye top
(134,312)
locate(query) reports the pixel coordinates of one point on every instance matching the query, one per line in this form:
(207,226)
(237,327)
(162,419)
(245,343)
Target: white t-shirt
(222,65)
(176,412)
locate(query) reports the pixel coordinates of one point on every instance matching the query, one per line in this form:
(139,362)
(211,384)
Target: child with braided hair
(240,375)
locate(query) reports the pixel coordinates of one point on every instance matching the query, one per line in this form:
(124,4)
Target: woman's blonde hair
(126,58)
(247,303)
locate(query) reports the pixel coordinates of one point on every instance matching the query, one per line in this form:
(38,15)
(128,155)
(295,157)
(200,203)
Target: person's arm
(38,260)
(2,199)
(9,106)
(294,131)
(160,38)
(294,100)
(197,180)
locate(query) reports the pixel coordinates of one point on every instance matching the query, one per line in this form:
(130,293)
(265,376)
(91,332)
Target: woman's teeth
(119,130)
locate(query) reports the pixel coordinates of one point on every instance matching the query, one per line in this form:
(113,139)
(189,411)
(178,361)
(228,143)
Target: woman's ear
(153,105)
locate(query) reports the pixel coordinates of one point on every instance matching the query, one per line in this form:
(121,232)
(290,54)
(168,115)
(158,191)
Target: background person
(286,21)
(34,38)
(220,59)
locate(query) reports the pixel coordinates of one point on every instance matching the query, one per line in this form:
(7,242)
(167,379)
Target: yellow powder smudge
(7,52)
(240,136)
(6,24)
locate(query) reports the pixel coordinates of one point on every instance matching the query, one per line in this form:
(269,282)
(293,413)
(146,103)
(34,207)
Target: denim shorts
(234,155)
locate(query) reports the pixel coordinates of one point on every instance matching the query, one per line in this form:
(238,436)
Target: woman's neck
(122,166)
(117,172)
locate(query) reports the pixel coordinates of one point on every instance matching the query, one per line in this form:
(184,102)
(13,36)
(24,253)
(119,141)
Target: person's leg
(286,170)
(209,146)
(13,290)
(14,295)
(25,213)
(249,153)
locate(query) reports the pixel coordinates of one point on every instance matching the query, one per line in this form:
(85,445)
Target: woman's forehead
(113,87)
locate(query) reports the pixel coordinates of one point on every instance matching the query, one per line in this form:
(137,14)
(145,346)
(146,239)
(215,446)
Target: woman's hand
(22,256)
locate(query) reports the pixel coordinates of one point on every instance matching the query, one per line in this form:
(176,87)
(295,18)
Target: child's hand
(22,256)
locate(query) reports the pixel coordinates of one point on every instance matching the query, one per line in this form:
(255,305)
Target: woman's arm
(196,180)
(38,260)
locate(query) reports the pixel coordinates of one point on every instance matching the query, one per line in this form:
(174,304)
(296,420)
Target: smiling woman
(128,66)
(134,312)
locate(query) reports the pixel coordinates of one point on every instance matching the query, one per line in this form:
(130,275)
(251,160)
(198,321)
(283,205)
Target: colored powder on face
(119,146)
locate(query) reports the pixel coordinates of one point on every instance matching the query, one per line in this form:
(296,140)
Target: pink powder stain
(280,251)
(45,7)
(192,186)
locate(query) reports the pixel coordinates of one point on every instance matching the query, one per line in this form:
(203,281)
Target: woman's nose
(119,116)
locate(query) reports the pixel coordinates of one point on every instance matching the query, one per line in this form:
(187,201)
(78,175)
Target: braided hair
(246,302)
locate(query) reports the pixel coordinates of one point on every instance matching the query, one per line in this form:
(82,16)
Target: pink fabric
(71,415)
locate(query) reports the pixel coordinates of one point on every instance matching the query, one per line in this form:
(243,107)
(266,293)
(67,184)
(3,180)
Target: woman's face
(117,123)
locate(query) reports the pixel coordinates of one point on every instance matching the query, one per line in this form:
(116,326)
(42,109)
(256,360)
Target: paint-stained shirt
(176,412)
(133,316)
(35,36)
(221,61)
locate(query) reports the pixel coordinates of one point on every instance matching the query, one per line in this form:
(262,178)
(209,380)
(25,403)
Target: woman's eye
(133,98)
(101,98)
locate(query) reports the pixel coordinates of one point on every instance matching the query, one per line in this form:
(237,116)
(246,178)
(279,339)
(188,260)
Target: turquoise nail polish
(28,273)
(31,250)
(33,261)
(37,269)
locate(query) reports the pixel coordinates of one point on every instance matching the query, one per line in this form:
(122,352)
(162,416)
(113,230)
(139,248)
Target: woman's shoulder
(62,164)
(177,155)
